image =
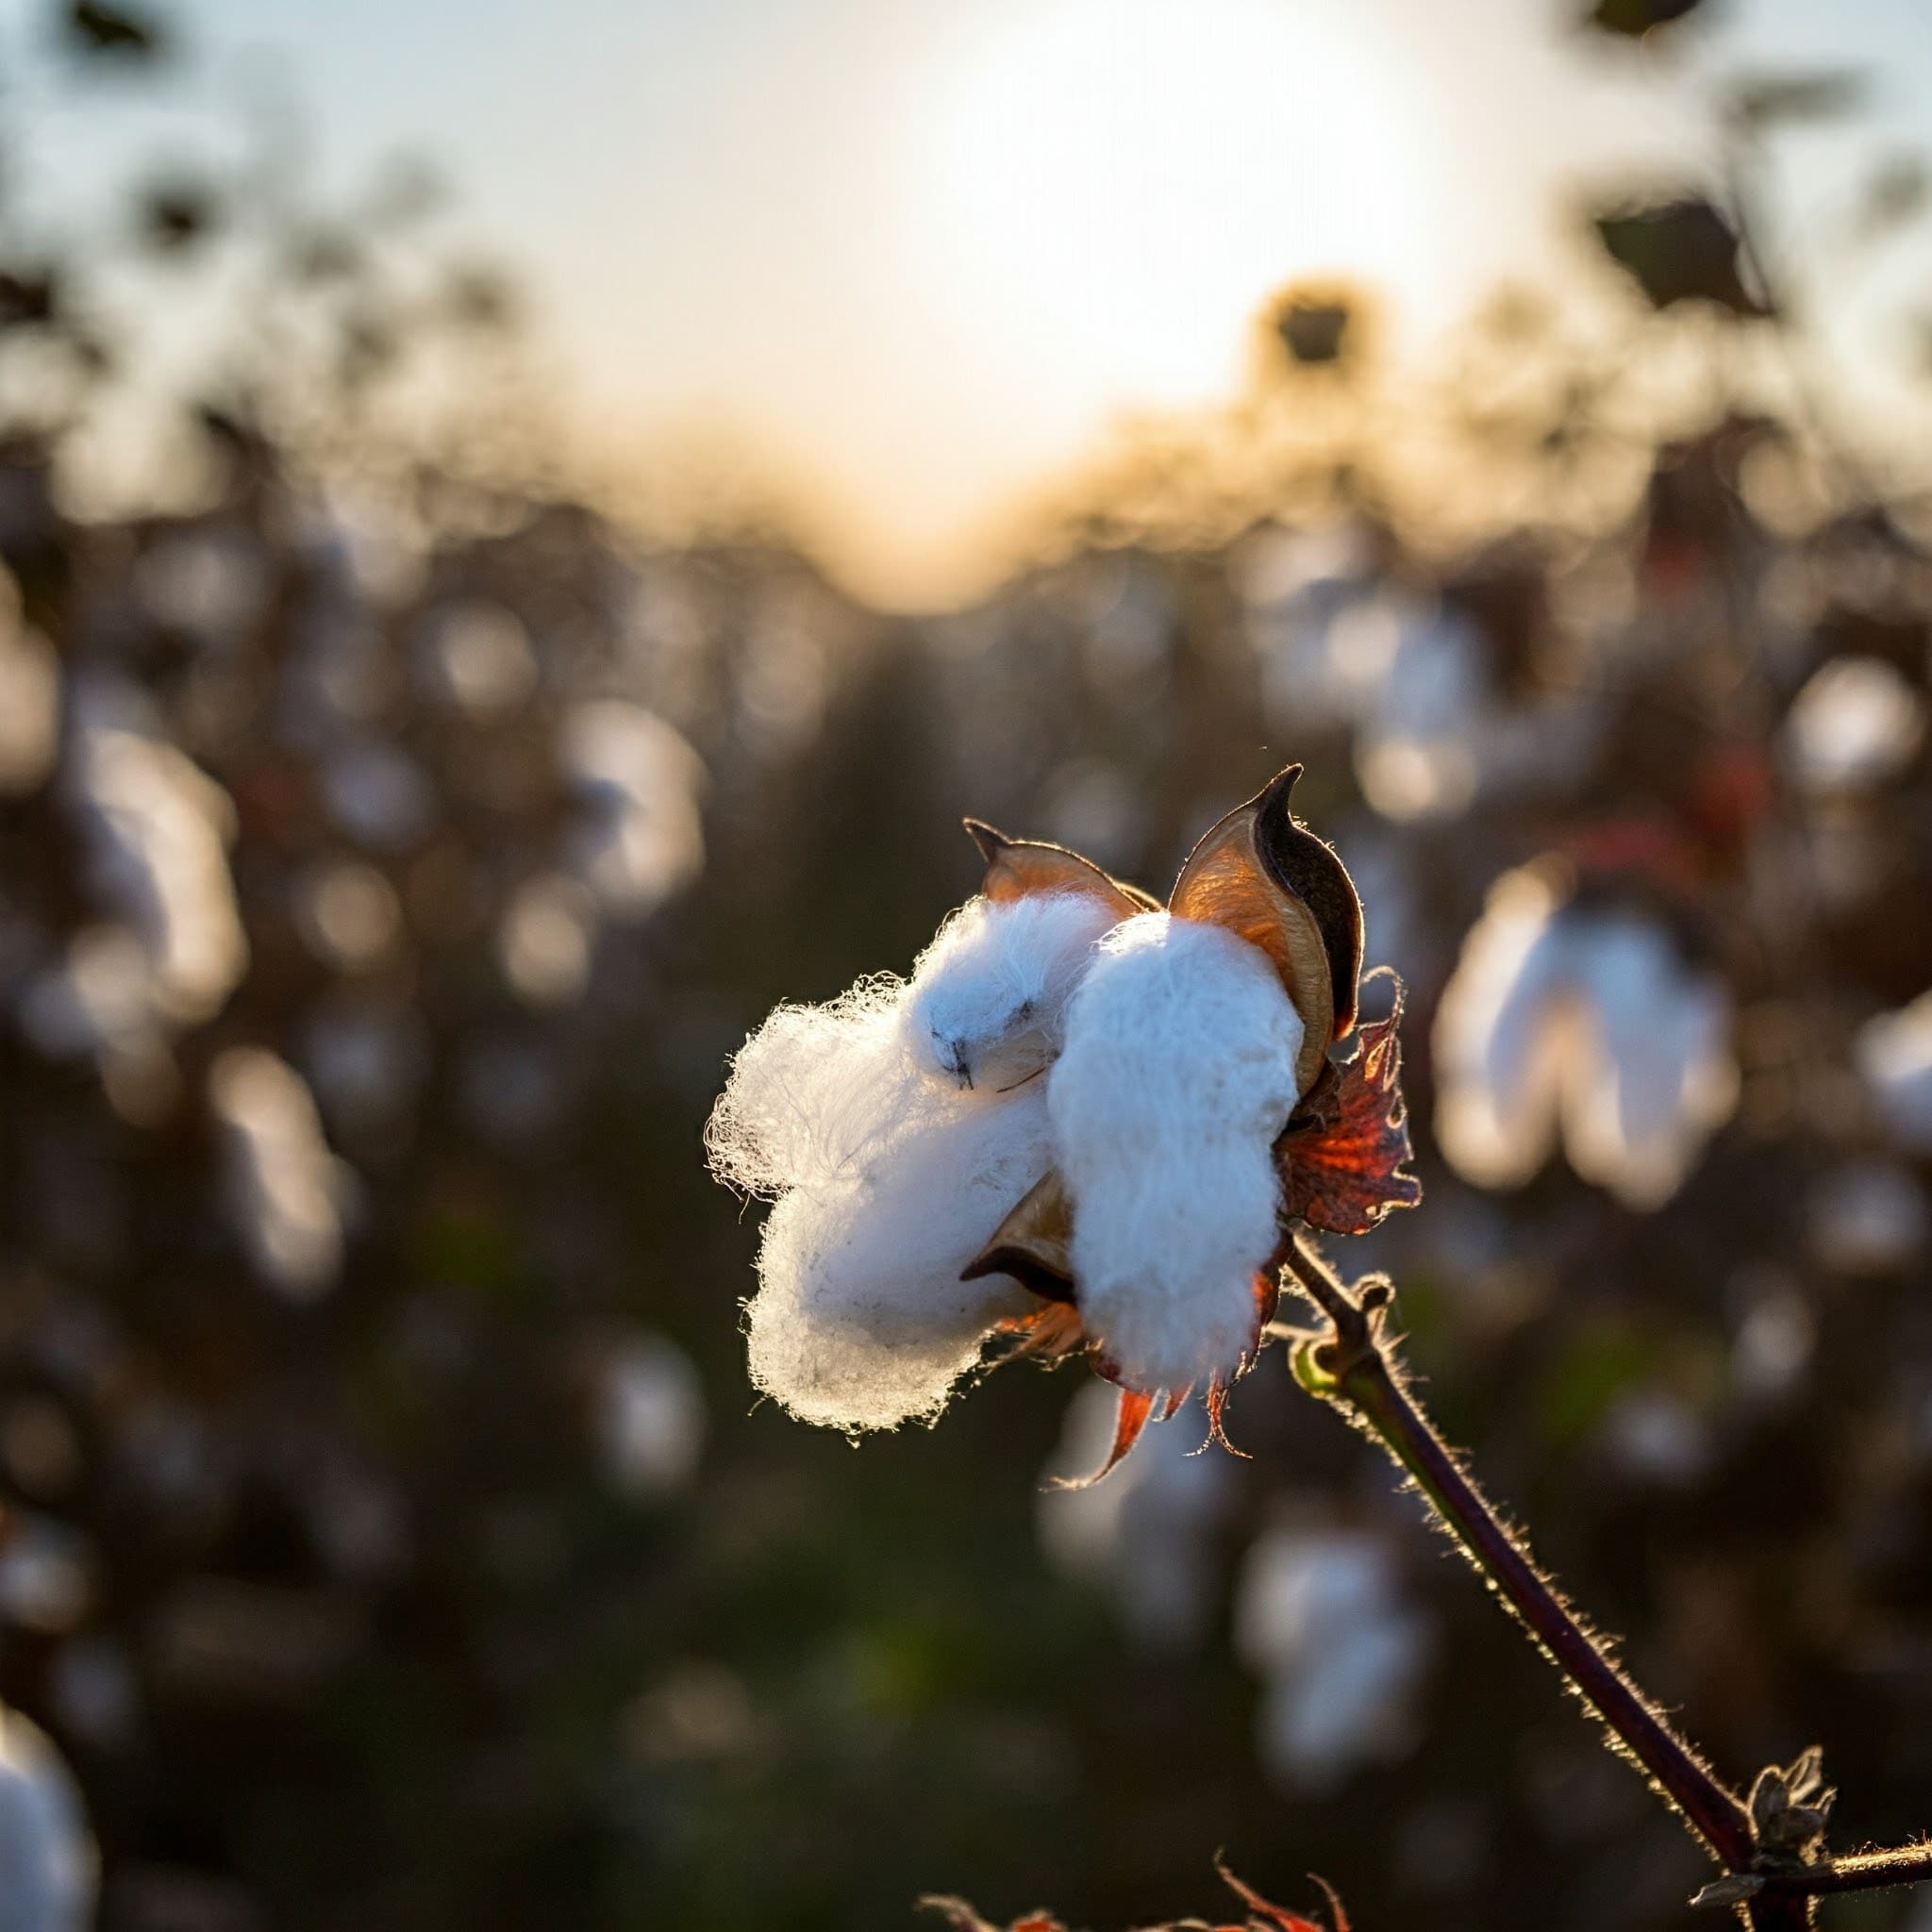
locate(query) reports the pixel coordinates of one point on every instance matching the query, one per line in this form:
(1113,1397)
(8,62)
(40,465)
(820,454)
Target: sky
(911,258)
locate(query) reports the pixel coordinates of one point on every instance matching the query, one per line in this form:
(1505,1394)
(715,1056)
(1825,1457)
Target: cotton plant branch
(1772,1843)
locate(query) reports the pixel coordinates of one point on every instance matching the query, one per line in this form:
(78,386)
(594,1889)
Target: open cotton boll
(1177,1076)
(47,1852)
(1893,1053)
(1501,1038)
(1320,1613)
(1589,1020)
(1661,1079)
(987,999)
(887,1185)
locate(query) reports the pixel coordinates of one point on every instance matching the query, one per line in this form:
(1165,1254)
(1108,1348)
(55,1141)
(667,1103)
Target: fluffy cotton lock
(989,995)
(1177,1076)
(887,1173)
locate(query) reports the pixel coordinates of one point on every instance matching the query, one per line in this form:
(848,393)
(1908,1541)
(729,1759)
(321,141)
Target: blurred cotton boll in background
(1893,1051)
(158,830)
(547,938)
(640,836)
(1320,1616)
(1147,1536)
(477,657)
(648,1416)
(1414,677)
(1582,1023)
(47,1858)
(1856,724)
(349,915)
(1866,1217)
(29,706)
(284,1188)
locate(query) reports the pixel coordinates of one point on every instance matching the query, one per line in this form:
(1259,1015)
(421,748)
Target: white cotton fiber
(887,1184)
(988,1000)
(1177,1078)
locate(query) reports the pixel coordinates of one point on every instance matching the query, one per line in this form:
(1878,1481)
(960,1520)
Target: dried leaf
(1680,251)
(1314,333)
(1342,1157)
(1277,1917)
(962,1918)
(110,30)
(1263,1915)
(1633,19)
(1133,1415)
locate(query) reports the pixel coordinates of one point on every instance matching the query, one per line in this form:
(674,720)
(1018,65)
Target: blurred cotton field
(399,832)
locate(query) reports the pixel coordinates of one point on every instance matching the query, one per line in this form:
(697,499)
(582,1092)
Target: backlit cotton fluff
(989,996)
(887,1174)
(1178,1076)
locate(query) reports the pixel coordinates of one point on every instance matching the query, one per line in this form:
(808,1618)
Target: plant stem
(1367,1386)
(1353,1371)
(1773,1880)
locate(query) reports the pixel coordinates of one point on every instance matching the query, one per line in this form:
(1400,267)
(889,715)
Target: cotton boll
(1662,1076)
(46,1850)
(1177,1076)
(649,1417)
(1320,1615)
(639,833)
(1589,1020)
(285,1189)
(1856,724)
(158,829)
(1498,1060)
(29,706)
(1894,1055)
(887,1185)
(987,999)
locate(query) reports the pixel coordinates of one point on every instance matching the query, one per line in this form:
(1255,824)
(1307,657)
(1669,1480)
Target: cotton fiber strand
(887,1182)
(989,995)
(1177,1076)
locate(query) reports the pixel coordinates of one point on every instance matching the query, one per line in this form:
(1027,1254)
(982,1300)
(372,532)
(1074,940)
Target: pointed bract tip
(1037,1275)
(990,842)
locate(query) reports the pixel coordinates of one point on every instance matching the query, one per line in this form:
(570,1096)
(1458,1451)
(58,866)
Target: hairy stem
(1773,1847)
(1353,1369)
(1364,1383)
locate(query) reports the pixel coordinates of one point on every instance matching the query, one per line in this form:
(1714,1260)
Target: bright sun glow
(1127,179)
